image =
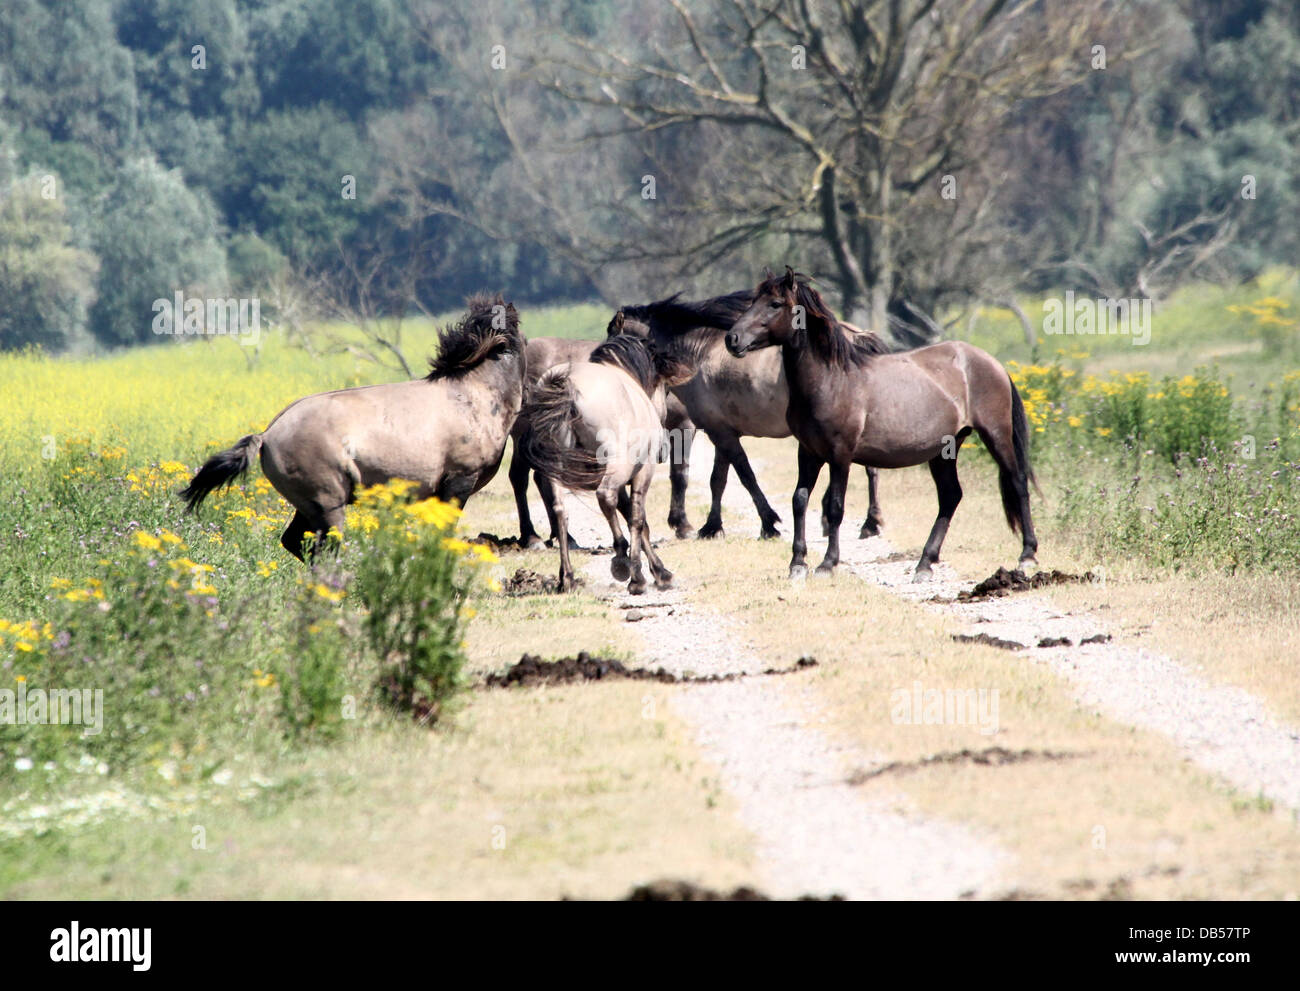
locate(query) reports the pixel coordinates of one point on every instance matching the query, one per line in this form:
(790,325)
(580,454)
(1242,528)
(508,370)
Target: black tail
(548,444)
(1011,483)
(220,469)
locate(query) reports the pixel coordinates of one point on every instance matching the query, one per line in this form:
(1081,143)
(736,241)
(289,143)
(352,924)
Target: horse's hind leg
(663,577)
(291,539)
(810,466)
(638,528)
(607,496)
(547,490)
(833,505)
(528,537)
(944,472)
(875,520)
(562,532)
(1015,494)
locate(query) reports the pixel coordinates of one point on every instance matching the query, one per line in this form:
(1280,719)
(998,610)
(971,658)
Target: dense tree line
(398,154)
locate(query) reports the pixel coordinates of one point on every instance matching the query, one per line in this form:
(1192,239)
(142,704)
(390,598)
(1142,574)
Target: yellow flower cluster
(23,636)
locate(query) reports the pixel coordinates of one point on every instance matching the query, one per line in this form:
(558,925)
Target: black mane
(672,317)
(834,341)
(464,346)
(635,355)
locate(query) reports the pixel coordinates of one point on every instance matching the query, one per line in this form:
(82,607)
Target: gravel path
(815,833)
(1221,728)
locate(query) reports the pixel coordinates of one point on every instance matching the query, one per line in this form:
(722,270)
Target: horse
(543,354)
(598,426)
(727,399)
(853,401)
(447,431)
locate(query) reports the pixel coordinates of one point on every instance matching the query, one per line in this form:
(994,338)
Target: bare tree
(843,124)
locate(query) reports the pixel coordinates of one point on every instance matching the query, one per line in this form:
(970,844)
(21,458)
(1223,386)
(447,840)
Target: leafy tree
(46,280)
(154,236)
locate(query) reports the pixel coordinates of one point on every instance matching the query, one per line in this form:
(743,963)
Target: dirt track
(794,785)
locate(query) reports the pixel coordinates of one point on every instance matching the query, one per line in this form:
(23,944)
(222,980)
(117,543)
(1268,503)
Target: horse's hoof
(566,584)
(824,571)
(1028,565)
(684,531)
(922,575)
(637,588)
(871,528)
(531,542)
(664,583)
(798,572)
(621,569)
(769,533)
(710,530)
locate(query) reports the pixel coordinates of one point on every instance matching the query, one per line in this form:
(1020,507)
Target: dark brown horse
(727,399)
(853,402)
(446,431)
(545,353)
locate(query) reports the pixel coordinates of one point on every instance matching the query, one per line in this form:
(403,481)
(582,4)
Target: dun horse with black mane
(446,431)
(598,426)
(851,401)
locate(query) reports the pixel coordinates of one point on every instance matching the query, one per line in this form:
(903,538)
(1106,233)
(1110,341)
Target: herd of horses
(598,417)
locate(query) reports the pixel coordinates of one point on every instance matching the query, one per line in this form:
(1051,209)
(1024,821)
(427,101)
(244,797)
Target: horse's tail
(221,469)
(549,443)
(1013,478)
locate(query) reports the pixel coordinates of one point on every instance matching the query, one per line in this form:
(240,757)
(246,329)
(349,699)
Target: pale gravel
(1221,728)
(815,834)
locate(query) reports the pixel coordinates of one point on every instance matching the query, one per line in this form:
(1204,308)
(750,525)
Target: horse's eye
(775,304)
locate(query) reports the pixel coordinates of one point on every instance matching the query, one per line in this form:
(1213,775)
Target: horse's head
(772,318)
(625,323)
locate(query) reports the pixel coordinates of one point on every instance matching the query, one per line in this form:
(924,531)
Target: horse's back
(615,414)
(748,395)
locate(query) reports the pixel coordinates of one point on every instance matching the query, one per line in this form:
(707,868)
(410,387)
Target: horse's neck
(506,375)
(805,368)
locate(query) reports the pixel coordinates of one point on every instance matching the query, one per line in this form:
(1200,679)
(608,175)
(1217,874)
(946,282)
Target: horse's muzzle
(733,345)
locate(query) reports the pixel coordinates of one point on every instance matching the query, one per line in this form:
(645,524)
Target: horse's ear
(790,280)
(616,325)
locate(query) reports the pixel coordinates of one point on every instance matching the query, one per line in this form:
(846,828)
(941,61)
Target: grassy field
(214,782)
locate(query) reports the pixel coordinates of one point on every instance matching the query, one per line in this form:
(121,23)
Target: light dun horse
(851,402)
(543,354)
(446,431)
(727,399)
(598,426)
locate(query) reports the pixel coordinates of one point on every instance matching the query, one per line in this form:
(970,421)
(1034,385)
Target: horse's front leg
(730,446)
(717,485)
(834,509)
(810,466)
(679,471)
